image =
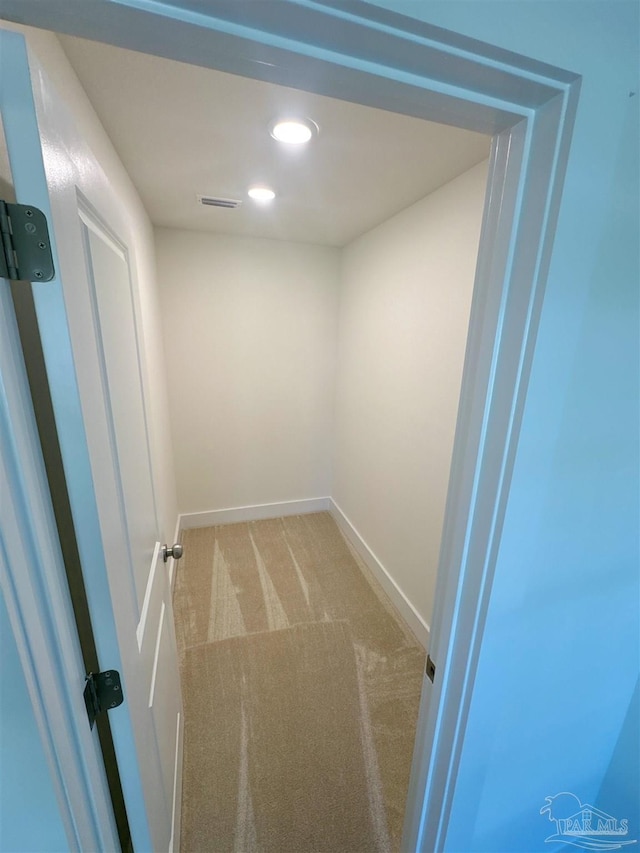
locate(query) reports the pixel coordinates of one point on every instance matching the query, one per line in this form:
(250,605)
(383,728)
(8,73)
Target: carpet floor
(301,687)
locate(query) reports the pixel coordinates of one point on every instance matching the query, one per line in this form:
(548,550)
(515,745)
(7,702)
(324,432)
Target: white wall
(404,312)
(261,414)
(250,339)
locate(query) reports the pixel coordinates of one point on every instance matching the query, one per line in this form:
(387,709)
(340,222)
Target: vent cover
(215,201)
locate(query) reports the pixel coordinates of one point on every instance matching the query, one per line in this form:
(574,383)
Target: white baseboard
(252,513)
(258,512)
(397,596)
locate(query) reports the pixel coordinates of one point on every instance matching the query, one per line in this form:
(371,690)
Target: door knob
(175,551)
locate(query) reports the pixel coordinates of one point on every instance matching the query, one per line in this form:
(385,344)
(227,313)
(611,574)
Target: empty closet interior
(310,353)
(300,372)
(313,346)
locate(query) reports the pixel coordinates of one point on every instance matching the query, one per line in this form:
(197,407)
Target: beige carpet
(301,689)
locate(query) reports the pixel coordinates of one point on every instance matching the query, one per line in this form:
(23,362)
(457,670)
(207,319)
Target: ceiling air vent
(214,201)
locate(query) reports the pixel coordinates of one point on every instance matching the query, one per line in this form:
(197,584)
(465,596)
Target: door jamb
(357,52)
(82,793)
(33,582)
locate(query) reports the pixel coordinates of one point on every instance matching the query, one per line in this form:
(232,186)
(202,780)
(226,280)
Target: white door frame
(34,585)
(354,51)
(32,571)
(82,428)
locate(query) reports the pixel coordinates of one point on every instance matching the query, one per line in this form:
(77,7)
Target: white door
(91,333)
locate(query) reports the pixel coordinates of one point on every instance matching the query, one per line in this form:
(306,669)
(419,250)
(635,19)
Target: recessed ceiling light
(261,194)
(293,131)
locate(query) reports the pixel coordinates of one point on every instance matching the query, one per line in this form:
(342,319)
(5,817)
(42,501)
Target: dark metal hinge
(25,248)
(102,692)
(430,668)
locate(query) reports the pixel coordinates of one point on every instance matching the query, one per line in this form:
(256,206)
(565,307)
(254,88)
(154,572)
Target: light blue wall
(30,821)
(552,705)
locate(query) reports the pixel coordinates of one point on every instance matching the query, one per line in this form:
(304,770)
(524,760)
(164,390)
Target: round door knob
(175,551)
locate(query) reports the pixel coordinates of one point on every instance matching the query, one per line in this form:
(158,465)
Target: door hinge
(25,251)
(430,669)
(102,692)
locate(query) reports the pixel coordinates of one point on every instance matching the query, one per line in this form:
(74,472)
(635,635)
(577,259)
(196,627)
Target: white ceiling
(183,130)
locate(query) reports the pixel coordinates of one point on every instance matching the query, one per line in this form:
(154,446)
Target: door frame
(82,417)
(354,51)
(34,585)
